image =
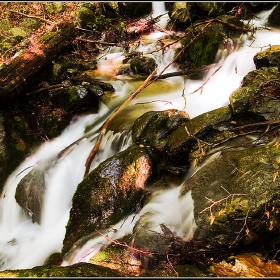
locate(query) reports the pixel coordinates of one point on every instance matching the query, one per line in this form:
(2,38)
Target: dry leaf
(222,211)
(212,218)
(275,175)
(271,225)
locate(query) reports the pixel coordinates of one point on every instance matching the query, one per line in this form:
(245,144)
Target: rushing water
(24,244)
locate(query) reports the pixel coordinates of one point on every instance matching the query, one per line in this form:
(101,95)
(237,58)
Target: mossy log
(21,69)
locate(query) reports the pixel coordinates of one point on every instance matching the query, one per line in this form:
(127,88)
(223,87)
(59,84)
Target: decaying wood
(21,69)
(103,129)
(139,27)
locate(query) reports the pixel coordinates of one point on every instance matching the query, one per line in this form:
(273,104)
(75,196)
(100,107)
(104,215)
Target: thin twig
(30,16)
(106,123)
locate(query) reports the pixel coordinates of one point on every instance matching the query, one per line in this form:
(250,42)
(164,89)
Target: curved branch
(106,123)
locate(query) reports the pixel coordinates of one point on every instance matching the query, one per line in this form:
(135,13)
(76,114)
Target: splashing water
(24,244)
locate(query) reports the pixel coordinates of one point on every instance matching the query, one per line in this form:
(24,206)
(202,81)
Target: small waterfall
(160,10)
(24,244)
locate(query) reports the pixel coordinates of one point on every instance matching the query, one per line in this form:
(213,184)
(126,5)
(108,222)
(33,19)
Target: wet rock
(142,65)
(152,243)
(120,257)
(75,270)
(134,9)
(269,57)
(203,50)
(108,193)
(30,194)
(252,91)
(184,137)
(273,18)
(182,12)
(232,194)
(153,129)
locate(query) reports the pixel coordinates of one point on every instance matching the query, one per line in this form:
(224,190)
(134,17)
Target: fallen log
(23,67)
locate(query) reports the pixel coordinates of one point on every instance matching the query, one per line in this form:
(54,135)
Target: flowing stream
(24,244)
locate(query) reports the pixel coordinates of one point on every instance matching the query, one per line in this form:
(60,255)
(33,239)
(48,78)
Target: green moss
(46,38)
(86,15)
(18,32)
(5,25)
(49,8)
(5,44)
(59,7)
(30,23)
(73,96)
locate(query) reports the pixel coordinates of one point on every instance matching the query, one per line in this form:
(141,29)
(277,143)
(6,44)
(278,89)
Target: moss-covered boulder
(91,16)
(236,197)
(181,13)
(108,193)
(134,9)
(202,47)
(142,65)
(154,127)
(182,139)
(259,94)
(119,257)
(75,270)
(270,57)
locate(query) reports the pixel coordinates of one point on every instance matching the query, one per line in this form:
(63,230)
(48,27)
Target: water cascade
(24,244)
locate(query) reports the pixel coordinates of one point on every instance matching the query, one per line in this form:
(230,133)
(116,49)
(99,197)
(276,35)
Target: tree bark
(20,70)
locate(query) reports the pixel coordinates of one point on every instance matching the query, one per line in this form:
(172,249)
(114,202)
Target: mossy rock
(182,12)
(75,270)
(55,122)
(238,184)
(86,14)
(142,65)
(268,58)
(134,9)
(211,9)
(49,8)
(187,270)
(203,50)
(108,193)
(153,127)
(182,139)
(251,92)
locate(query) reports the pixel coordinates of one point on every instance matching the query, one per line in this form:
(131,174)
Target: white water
(25,245)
